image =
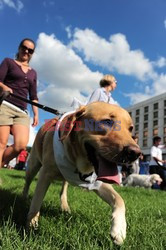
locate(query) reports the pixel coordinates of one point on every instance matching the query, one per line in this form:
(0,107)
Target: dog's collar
(59,122)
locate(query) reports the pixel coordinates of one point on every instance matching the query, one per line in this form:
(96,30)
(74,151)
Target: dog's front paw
(65,208)
(33,222)
(118,228)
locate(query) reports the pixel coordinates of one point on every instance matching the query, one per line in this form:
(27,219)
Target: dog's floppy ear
(68,123)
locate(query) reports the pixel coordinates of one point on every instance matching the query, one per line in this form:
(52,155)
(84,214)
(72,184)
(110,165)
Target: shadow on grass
(14,206)
(15,176)
(56,214)
(14,209)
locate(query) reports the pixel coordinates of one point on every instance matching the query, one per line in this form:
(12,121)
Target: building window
(164,103)
(155,105)
(136,127)
(155,123)
(164,112)
(145,134)
(155,131)
(145,125)
(155,114)
(137,120)
(130,113)
(137,112)
(164,120)
(145,117)
(145,143)
(146,109)
(164,130)
(164,140)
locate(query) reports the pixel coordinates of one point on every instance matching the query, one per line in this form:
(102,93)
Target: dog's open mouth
(106,171)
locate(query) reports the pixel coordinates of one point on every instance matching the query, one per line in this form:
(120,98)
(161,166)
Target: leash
(4,94)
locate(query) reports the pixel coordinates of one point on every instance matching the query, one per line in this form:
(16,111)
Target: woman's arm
(34,98)
(3,73)
(35,114)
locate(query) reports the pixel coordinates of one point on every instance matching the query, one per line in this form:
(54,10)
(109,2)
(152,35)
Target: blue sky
(80,40)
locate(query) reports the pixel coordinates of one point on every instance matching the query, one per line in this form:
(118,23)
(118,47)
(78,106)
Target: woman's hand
(35,115)
(35,121)
(5,88)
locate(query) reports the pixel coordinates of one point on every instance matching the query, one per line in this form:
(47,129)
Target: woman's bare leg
(21,138)
(4,135)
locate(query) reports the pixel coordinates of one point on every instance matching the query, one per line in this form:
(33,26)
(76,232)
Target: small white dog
(142,180)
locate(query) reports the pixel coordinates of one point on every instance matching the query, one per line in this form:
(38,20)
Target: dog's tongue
(108,172)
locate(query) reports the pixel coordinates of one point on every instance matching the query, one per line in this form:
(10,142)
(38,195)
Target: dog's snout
(132,152)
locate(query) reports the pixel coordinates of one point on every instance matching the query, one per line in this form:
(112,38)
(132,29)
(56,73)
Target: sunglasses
(24,48)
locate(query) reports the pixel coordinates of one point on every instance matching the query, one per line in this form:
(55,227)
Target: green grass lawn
(87,227)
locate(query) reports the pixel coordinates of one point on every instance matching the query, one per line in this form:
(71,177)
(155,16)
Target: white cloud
(113,54)
(33,132)
(165,23)
(157,88)
(140,96)
(63,72)
(137,97)
(161,62)
(60,98)
(15,4)
(48,3)
(159,84)
(69,32)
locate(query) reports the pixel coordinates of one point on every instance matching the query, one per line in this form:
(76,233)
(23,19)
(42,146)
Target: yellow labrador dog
(84,148)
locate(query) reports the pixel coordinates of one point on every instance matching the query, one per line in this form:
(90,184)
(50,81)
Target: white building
(149,118)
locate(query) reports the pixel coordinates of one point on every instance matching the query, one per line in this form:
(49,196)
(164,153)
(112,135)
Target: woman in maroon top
(19,78)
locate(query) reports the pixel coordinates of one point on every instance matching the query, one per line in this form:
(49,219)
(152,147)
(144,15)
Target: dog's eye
(131,128)
(107,123)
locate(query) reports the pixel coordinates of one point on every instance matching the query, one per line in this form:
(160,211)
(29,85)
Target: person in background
(12,164)
(21,160)
(135,167)
(16,76)
(103,94)
(156,162)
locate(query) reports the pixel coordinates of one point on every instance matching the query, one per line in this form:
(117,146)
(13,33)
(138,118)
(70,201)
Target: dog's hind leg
(34,166)
(63,197)
(35,159)
(43,183)
(118,228)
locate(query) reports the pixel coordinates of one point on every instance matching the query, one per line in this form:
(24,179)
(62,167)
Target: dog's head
(155,179)
(100,134)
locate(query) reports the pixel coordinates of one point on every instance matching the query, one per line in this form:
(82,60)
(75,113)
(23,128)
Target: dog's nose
(132,152)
